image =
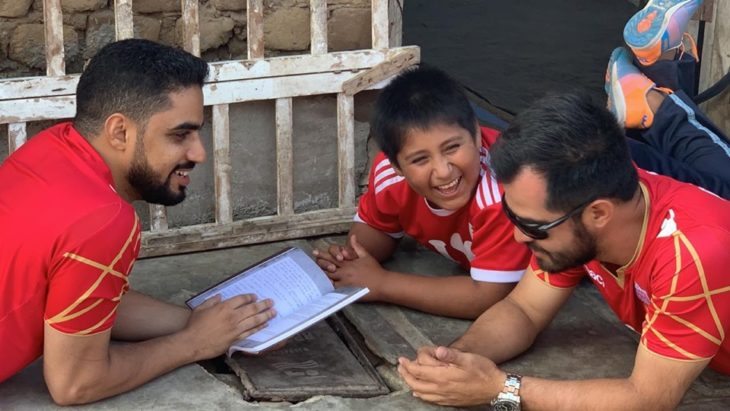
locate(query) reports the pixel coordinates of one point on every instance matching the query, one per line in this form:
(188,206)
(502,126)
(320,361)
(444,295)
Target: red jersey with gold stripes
(68,244)
(478,236)
(676,289)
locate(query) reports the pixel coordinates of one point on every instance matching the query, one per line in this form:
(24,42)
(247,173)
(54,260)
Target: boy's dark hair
(133,77)
(418,99)
(576,145)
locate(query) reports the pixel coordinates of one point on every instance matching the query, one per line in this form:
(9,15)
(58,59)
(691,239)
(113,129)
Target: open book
(301,292)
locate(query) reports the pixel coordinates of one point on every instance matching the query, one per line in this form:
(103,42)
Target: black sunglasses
(538,230)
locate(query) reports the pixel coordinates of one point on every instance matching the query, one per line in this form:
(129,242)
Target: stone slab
(315,362)
(390,331)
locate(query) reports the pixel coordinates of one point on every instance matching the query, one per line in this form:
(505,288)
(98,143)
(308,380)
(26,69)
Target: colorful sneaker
(626,88)
(658,28)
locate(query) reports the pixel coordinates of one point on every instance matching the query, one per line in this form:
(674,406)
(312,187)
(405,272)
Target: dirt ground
(514,51)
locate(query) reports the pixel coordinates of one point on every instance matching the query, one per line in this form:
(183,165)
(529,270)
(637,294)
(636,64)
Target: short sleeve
(88,275)
(564,279)
(690,296)
(498,257)
(377,207)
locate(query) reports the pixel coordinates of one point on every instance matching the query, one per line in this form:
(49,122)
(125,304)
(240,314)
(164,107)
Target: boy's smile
(441,163)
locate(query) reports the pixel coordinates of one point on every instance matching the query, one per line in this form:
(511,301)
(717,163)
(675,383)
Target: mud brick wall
(89,25)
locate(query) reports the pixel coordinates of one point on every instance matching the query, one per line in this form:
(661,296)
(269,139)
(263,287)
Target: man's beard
(583,251)
(147,183)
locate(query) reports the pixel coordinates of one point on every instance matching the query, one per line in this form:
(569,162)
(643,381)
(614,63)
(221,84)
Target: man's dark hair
(576,145)
(419,98)
(133,77)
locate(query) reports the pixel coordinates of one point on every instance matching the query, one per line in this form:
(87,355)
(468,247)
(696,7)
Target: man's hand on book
(215,325)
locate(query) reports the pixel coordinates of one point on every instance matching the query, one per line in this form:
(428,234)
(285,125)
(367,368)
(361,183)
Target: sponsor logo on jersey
(641,294)
(669,226)
(456,243)
(595,277)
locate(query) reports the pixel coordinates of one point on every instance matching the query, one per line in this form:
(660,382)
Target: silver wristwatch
(509,398)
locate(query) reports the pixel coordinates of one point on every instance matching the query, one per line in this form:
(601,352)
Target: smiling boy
(433,182)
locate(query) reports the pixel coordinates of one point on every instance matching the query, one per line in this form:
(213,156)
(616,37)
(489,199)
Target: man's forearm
(453,296)
(127,366)
(605,394)
(141,317)
(499,334)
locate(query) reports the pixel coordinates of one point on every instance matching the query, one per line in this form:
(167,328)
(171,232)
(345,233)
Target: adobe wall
(89,25)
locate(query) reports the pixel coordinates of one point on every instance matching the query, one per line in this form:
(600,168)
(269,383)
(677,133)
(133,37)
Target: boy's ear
(478,134)
(396,168)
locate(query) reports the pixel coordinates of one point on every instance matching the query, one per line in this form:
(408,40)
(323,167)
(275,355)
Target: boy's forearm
(377,243)
(452,296)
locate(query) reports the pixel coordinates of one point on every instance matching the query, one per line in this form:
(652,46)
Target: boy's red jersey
(478,236)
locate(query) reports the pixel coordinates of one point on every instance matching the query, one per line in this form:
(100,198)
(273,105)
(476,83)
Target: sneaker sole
(613,89)
(646,40)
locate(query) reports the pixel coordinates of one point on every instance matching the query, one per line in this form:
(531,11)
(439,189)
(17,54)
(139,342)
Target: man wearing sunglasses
(656,248)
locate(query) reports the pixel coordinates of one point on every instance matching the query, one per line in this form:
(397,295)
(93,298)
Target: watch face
(506,405)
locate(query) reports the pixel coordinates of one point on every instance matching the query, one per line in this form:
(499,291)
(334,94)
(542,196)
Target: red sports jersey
(478,236)
(676,289)
(68,244)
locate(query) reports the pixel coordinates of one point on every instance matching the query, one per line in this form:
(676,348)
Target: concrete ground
(585,341)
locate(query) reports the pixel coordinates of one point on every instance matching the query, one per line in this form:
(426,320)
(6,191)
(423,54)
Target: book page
(282,280)
(280,324)
(301,292)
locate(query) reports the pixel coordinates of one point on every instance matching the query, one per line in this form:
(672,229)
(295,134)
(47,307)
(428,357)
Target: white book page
(280,324)
(290,279)
(299,321)
(301,292)
(282,281)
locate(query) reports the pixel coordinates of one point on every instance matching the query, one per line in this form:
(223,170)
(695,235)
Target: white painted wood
(15,111)
(222,164)
(30,87)
(380,36)
(395,24)
(318,26)
(302,64)
(123,19)
(255,29)
(255,230)
(48,108)
(346,149)
(284,157)
(380,72)
(53,20)
(279,87)
(17,136)
(191,26)
(158,218)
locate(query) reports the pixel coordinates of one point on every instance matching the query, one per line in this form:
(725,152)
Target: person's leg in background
(675,137)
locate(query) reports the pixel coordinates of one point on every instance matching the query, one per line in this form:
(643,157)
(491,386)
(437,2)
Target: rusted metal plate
(315,362)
